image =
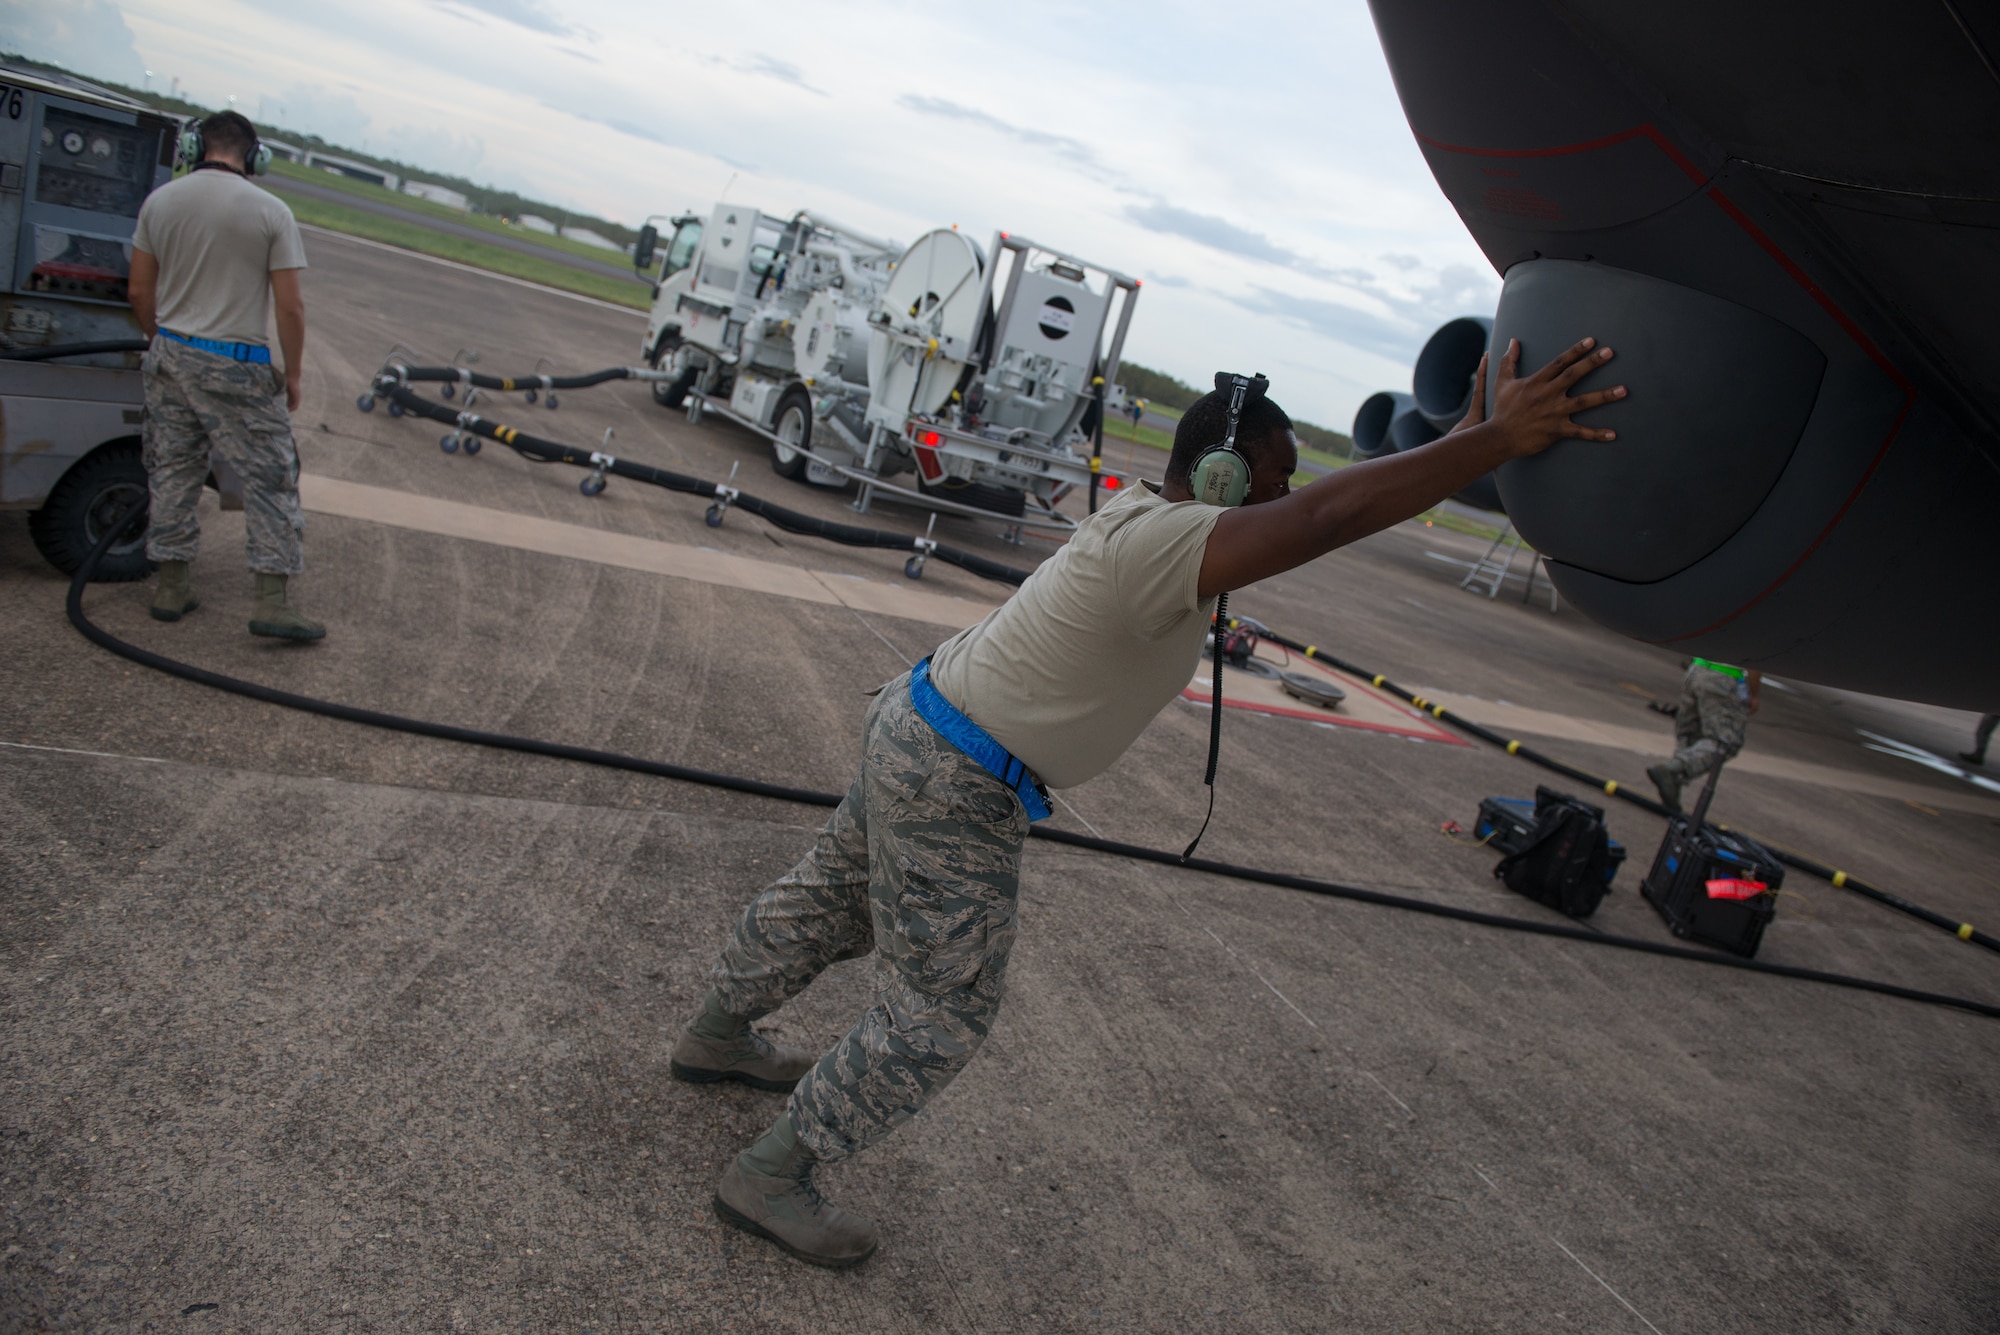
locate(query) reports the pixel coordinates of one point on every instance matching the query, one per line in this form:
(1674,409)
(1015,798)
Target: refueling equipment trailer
(859,362)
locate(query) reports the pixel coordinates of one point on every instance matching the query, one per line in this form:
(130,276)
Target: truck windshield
(680,251)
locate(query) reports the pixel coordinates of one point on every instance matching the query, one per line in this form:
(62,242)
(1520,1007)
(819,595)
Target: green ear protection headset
(1221,475)
(257,162)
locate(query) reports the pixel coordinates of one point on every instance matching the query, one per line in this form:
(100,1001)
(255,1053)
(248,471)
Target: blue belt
(236,352)
(976,742)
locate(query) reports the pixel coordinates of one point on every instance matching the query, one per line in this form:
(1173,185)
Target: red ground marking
(1425,729)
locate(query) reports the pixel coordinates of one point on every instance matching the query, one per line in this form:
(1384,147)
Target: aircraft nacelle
(1796,257)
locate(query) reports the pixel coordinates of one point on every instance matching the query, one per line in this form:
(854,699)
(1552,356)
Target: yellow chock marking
(1839,879)
(1378,679)
(1513,748)
(1610,787)
(1965,931)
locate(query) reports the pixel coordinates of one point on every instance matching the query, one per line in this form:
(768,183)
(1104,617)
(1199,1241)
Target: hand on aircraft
(1533,413)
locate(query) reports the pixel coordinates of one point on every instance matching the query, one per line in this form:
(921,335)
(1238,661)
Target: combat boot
(769,1191)
(1669,785)
(275,617)
(716,1045)
(173,596)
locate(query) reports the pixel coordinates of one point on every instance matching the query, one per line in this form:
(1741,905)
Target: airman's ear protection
(1221,475)
(257,162)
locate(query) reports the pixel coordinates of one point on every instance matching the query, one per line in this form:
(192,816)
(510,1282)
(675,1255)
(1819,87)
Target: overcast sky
(1248,161)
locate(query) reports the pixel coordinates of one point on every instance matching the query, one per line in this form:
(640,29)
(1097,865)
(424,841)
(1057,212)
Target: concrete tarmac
(314,1027)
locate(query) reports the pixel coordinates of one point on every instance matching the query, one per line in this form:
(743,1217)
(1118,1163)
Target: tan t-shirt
(217,238)
(1069,671)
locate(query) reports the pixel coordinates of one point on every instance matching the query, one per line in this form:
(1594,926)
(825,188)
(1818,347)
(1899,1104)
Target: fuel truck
(76,161)
(974,374)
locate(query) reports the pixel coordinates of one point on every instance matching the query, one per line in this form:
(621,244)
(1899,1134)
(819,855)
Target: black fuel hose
(1840,880)
(792,521)
(56,350)
(460,375)
(1329,889)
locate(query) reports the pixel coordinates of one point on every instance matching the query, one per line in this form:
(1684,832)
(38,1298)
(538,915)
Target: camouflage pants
(921,864)
(197,402)
(1708,728)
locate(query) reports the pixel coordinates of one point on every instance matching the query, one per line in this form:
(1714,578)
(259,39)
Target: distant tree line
(1143,382)
(483,198)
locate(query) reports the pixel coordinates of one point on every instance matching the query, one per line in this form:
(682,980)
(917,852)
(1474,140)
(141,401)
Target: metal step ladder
(1490,572)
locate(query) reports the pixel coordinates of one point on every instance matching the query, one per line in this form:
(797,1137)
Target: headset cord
(1214,721)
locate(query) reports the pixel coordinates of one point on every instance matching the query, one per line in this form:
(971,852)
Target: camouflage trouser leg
(1709,726)
(196,402)
(922,860)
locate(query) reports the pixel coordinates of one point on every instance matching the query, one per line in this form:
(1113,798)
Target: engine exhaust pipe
(1442,380)
(1409,429)
(1371,423)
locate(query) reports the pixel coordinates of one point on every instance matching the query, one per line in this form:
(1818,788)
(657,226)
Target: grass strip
(424,208)
(413,235)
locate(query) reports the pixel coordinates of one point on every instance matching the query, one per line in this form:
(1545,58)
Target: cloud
(88,36)
(530,14)
(1061,145)
(1413,313)
(783,71)
(651,136)
(314,108)
(765,67)
(1167,280)
(1331,319)
(633,128)
(1220,234)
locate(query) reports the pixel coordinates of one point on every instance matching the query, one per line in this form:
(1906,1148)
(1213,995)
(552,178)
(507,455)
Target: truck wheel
(87,500)
(981,495)
(794,429)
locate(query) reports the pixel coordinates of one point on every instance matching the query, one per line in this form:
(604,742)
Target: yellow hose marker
(1610,787)
(1312,651)
(1965,931)
(1378,679)
(507,383)
(1437,711)
(1513,747)
(1839,879)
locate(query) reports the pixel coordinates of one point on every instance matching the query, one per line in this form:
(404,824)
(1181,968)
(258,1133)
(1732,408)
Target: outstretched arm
(1530,414)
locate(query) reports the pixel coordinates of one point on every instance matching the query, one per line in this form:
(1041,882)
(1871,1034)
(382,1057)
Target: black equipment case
(1689,858)
(1565,859)
(1506,824)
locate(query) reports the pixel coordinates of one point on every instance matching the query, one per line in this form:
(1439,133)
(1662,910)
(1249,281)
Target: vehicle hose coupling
(926,546)
(724,494)
(600,463)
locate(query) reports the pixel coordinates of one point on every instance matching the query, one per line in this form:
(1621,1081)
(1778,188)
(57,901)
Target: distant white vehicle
(438,194)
